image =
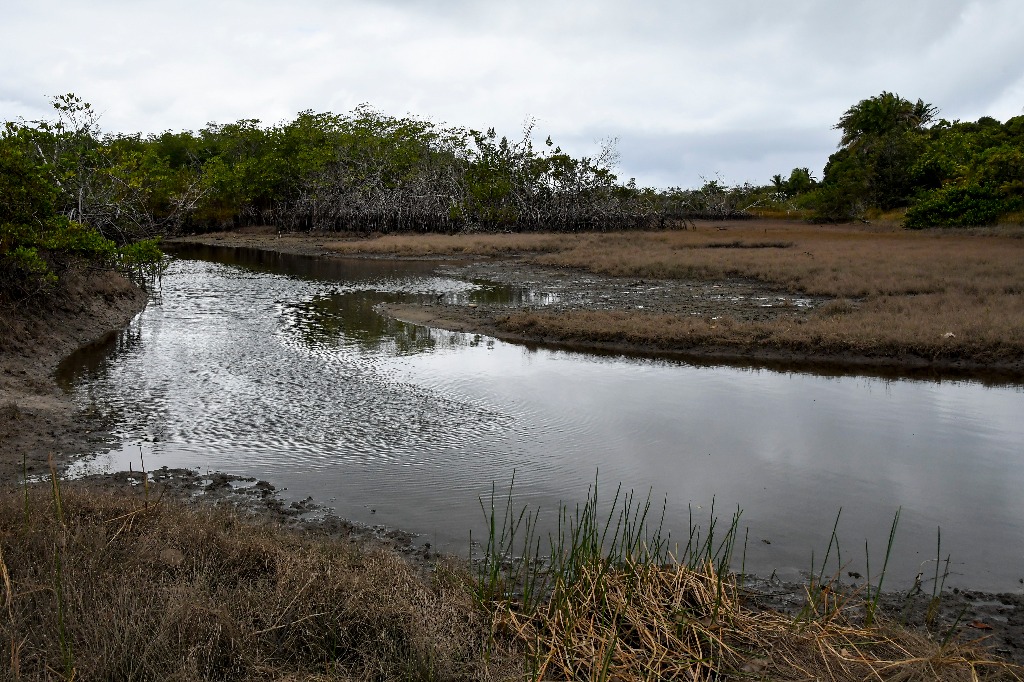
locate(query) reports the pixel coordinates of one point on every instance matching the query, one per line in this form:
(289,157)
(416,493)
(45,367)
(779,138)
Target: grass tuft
(619,605)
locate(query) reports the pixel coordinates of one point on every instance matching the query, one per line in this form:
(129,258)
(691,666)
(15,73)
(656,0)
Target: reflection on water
(278,367)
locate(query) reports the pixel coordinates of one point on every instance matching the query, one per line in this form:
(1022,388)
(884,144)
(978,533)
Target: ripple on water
(296,379)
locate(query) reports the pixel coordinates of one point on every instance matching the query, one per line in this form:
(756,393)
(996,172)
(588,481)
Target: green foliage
(31,256)
(956,206)
(141,260)
(29,263)
(837,203)
(893,154)
(145,252)
(369,172)
(800,181)
(39,164)
(882,141)
(880,116)
(70,237)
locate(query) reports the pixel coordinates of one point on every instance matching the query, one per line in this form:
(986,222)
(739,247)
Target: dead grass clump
(105,588)
(611,601)
(670,622)
(639,621)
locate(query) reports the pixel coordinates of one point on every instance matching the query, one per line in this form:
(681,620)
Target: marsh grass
(618,600)
(839,261)
(420,245)
(931,294)
(928,327)
(99,585)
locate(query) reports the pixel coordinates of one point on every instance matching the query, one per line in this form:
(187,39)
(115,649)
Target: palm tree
(880,115)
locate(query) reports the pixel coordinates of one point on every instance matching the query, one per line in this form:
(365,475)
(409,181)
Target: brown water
(278,367)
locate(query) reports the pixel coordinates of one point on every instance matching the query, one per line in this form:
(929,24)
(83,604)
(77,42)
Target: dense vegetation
(895,158)
(66,200)
(72,193)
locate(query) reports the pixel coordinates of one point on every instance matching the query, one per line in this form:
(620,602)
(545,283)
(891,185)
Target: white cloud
(746,88)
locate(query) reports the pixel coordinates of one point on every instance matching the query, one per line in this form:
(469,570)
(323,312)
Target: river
(277,367)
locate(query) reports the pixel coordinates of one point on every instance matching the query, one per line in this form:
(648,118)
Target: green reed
(873,594)
(514,567)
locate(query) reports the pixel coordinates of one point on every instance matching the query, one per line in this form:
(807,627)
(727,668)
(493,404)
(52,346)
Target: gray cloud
(746,88)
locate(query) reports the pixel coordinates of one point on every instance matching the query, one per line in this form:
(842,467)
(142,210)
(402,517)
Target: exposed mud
(37,420)
(559,290)
(995,621)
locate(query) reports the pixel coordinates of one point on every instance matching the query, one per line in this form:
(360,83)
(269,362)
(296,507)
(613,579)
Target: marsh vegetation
(911,297)
(115,585)
(101,585)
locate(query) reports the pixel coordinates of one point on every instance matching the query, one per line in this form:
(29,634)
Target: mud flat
(770,293)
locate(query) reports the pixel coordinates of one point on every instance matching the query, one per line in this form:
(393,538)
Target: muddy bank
(994,621)
(260,501)
(37,419)
(1000,612)
(703,321)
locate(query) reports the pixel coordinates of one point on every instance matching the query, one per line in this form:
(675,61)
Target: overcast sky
(740,88)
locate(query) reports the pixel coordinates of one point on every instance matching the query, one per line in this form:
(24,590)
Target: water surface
(278,367)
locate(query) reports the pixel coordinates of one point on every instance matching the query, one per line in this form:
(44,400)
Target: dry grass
(404,245)
(100,585)
(987,331)
(668,622)
(840,261)
(119,591)
(897,292)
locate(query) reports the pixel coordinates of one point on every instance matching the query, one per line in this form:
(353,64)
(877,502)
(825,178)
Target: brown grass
(101,585)
(405,245)
(644,622)
(897,291)
(171,592)
(842,261)
(987,332)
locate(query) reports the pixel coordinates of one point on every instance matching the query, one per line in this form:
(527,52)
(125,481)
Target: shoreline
(596,313)
(37,419)
(481,321)
(43,420)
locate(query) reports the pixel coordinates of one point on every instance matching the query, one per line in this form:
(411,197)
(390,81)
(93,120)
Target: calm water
(277,367)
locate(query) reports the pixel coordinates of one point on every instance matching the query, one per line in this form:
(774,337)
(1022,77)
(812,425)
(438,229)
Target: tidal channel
(278,367)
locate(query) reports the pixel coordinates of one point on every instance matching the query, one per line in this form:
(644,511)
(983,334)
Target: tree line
(897,158)
(363,172)
(71,191)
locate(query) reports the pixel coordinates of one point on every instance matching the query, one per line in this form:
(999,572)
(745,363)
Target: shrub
(956,206)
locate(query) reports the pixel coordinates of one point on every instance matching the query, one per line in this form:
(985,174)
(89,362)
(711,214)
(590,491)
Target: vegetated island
(197,592)
(771,292)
